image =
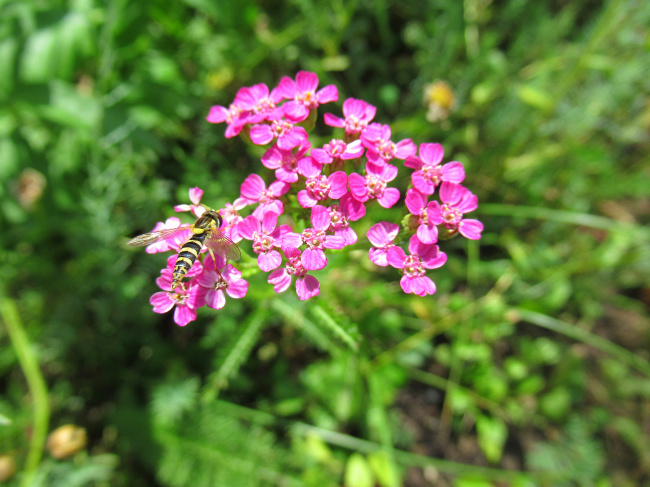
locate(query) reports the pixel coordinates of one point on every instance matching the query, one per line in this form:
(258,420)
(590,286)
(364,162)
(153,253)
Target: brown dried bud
(7,467)
(30,187)
(66,440)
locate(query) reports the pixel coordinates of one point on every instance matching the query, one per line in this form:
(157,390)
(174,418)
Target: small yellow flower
(439,99)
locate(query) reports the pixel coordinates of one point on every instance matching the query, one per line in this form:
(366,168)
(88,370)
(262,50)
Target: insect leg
(214,260)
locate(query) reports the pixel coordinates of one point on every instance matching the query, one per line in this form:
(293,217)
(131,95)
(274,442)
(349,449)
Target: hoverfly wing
(223,246)
(157,236)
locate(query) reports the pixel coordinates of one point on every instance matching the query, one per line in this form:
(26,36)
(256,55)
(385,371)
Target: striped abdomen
(188,254)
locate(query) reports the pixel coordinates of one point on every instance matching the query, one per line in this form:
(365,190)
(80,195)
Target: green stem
(595,341)
(560,216)
(29,364)
(403,457)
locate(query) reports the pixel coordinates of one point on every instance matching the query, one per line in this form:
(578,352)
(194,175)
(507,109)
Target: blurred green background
(528,367)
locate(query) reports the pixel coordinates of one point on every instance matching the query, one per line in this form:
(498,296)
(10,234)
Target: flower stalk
(29,364)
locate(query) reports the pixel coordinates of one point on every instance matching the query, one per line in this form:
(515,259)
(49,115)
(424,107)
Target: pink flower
(376,138)
(374,185)
(316,239)
(231,218)
(303,95)
(257,100)
(195,197)
(306,286)
(358,114)
(213,285)
(183,297)
(429,215)
(286,134)
(173,243)
(234,116)
(265,237)
(348,209)
(285,162)
(381,235)
(429,173)
(253,189)
(422,257)
(319,187)
(339,150)
(457,200)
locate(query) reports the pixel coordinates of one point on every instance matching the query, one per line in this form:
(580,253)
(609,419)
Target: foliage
(528,366)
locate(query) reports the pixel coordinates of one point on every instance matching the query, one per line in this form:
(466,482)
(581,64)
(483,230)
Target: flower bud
(410,223)
(66,441)
(445,233)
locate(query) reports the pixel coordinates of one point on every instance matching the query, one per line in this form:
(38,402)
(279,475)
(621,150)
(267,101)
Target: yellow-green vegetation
(528,366)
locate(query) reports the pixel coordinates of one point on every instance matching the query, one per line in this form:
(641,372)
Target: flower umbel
(310,210)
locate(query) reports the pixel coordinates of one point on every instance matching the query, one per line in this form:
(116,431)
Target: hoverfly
(205,231)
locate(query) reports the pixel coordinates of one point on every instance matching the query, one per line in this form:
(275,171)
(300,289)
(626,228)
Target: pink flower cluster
(336,183)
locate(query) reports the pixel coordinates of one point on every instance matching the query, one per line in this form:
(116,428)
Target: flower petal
(183,315)
(320,217)
(253,187)
(453,172)
(237,288)
(313,259)
(389,198)
(428,233)
(280,279)
(470,229)
(270,260)
(431,154)
(261,134)
(215,299)
(248,226)
(378,256)
(415,201)
(161,302)
(382,233)
(396,257)
(307,287)
(328,94)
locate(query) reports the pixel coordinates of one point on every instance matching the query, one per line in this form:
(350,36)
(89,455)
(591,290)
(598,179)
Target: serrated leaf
(337,328)
(240,348)
(170,401)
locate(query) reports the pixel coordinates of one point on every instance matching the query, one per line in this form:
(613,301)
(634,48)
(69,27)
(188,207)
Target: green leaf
(171,400)
(472,482)
(384,469)
(358,472)
(535,97)
(38,56)
(9,158)
(556,404)
(8,50)
(239,349)
(492,434)
(337,328)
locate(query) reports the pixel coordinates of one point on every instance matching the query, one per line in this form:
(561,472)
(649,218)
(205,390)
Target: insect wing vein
(157,236)
(223,246)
